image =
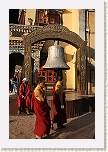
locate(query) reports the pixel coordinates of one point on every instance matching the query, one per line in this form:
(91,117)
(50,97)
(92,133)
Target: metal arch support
(61,33)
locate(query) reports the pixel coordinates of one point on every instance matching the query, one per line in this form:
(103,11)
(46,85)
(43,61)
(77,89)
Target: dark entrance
(13,16)
(15,59)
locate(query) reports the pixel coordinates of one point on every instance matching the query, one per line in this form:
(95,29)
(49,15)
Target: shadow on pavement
(80,128)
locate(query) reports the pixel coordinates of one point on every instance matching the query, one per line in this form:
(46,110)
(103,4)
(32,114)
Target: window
(54,18)
(48,75)
(49,19)
(41,17)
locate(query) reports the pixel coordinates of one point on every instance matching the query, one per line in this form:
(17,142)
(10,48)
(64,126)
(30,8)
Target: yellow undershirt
(41,90)
(58,84)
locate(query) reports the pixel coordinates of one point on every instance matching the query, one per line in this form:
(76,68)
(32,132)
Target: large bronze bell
(56,58)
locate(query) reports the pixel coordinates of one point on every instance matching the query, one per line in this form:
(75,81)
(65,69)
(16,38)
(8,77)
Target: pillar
(81,70)
(27,62)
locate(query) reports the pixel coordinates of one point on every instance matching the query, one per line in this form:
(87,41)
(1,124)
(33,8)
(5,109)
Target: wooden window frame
(49,15)
(54,19)
(47,77)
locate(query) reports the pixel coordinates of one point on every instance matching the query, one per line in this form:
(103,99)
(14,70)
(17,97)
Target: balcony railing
(17,30)
(16,41)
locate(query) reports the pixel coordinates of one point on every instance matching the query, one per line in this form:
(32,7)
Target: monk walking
(42,111)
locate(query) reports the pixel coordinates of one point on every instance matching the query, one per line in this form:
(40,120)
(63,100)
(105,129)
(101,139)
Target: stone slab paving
(82,127)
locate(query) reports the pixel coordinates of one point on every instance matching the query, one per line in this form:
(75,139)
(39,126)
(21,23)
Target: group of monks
(38,101)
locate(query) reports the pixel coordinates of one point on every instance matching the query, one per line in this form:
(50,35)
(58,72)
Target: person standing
(10,85)
(42,110)
(59,113)
(15,84)
(24,97)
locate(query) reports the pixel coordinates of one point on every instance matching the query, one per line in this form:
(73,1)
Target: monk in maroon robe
(59,103)
(42,111)
(24,99)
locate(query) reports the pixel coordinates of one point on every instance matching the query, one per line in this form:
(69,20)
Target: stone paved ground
(82,127)
(22,126)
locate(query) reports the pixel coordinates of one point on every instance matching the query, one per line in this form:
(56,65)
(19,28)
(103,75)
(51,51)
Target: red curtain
(22,18)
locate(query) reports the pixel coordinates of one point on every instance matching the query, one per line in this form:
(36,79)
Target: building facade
(81,22)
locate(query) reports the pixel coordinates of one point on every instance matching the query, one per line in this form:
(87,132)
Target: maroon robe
(59,115)
(43,122)
(21,101)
